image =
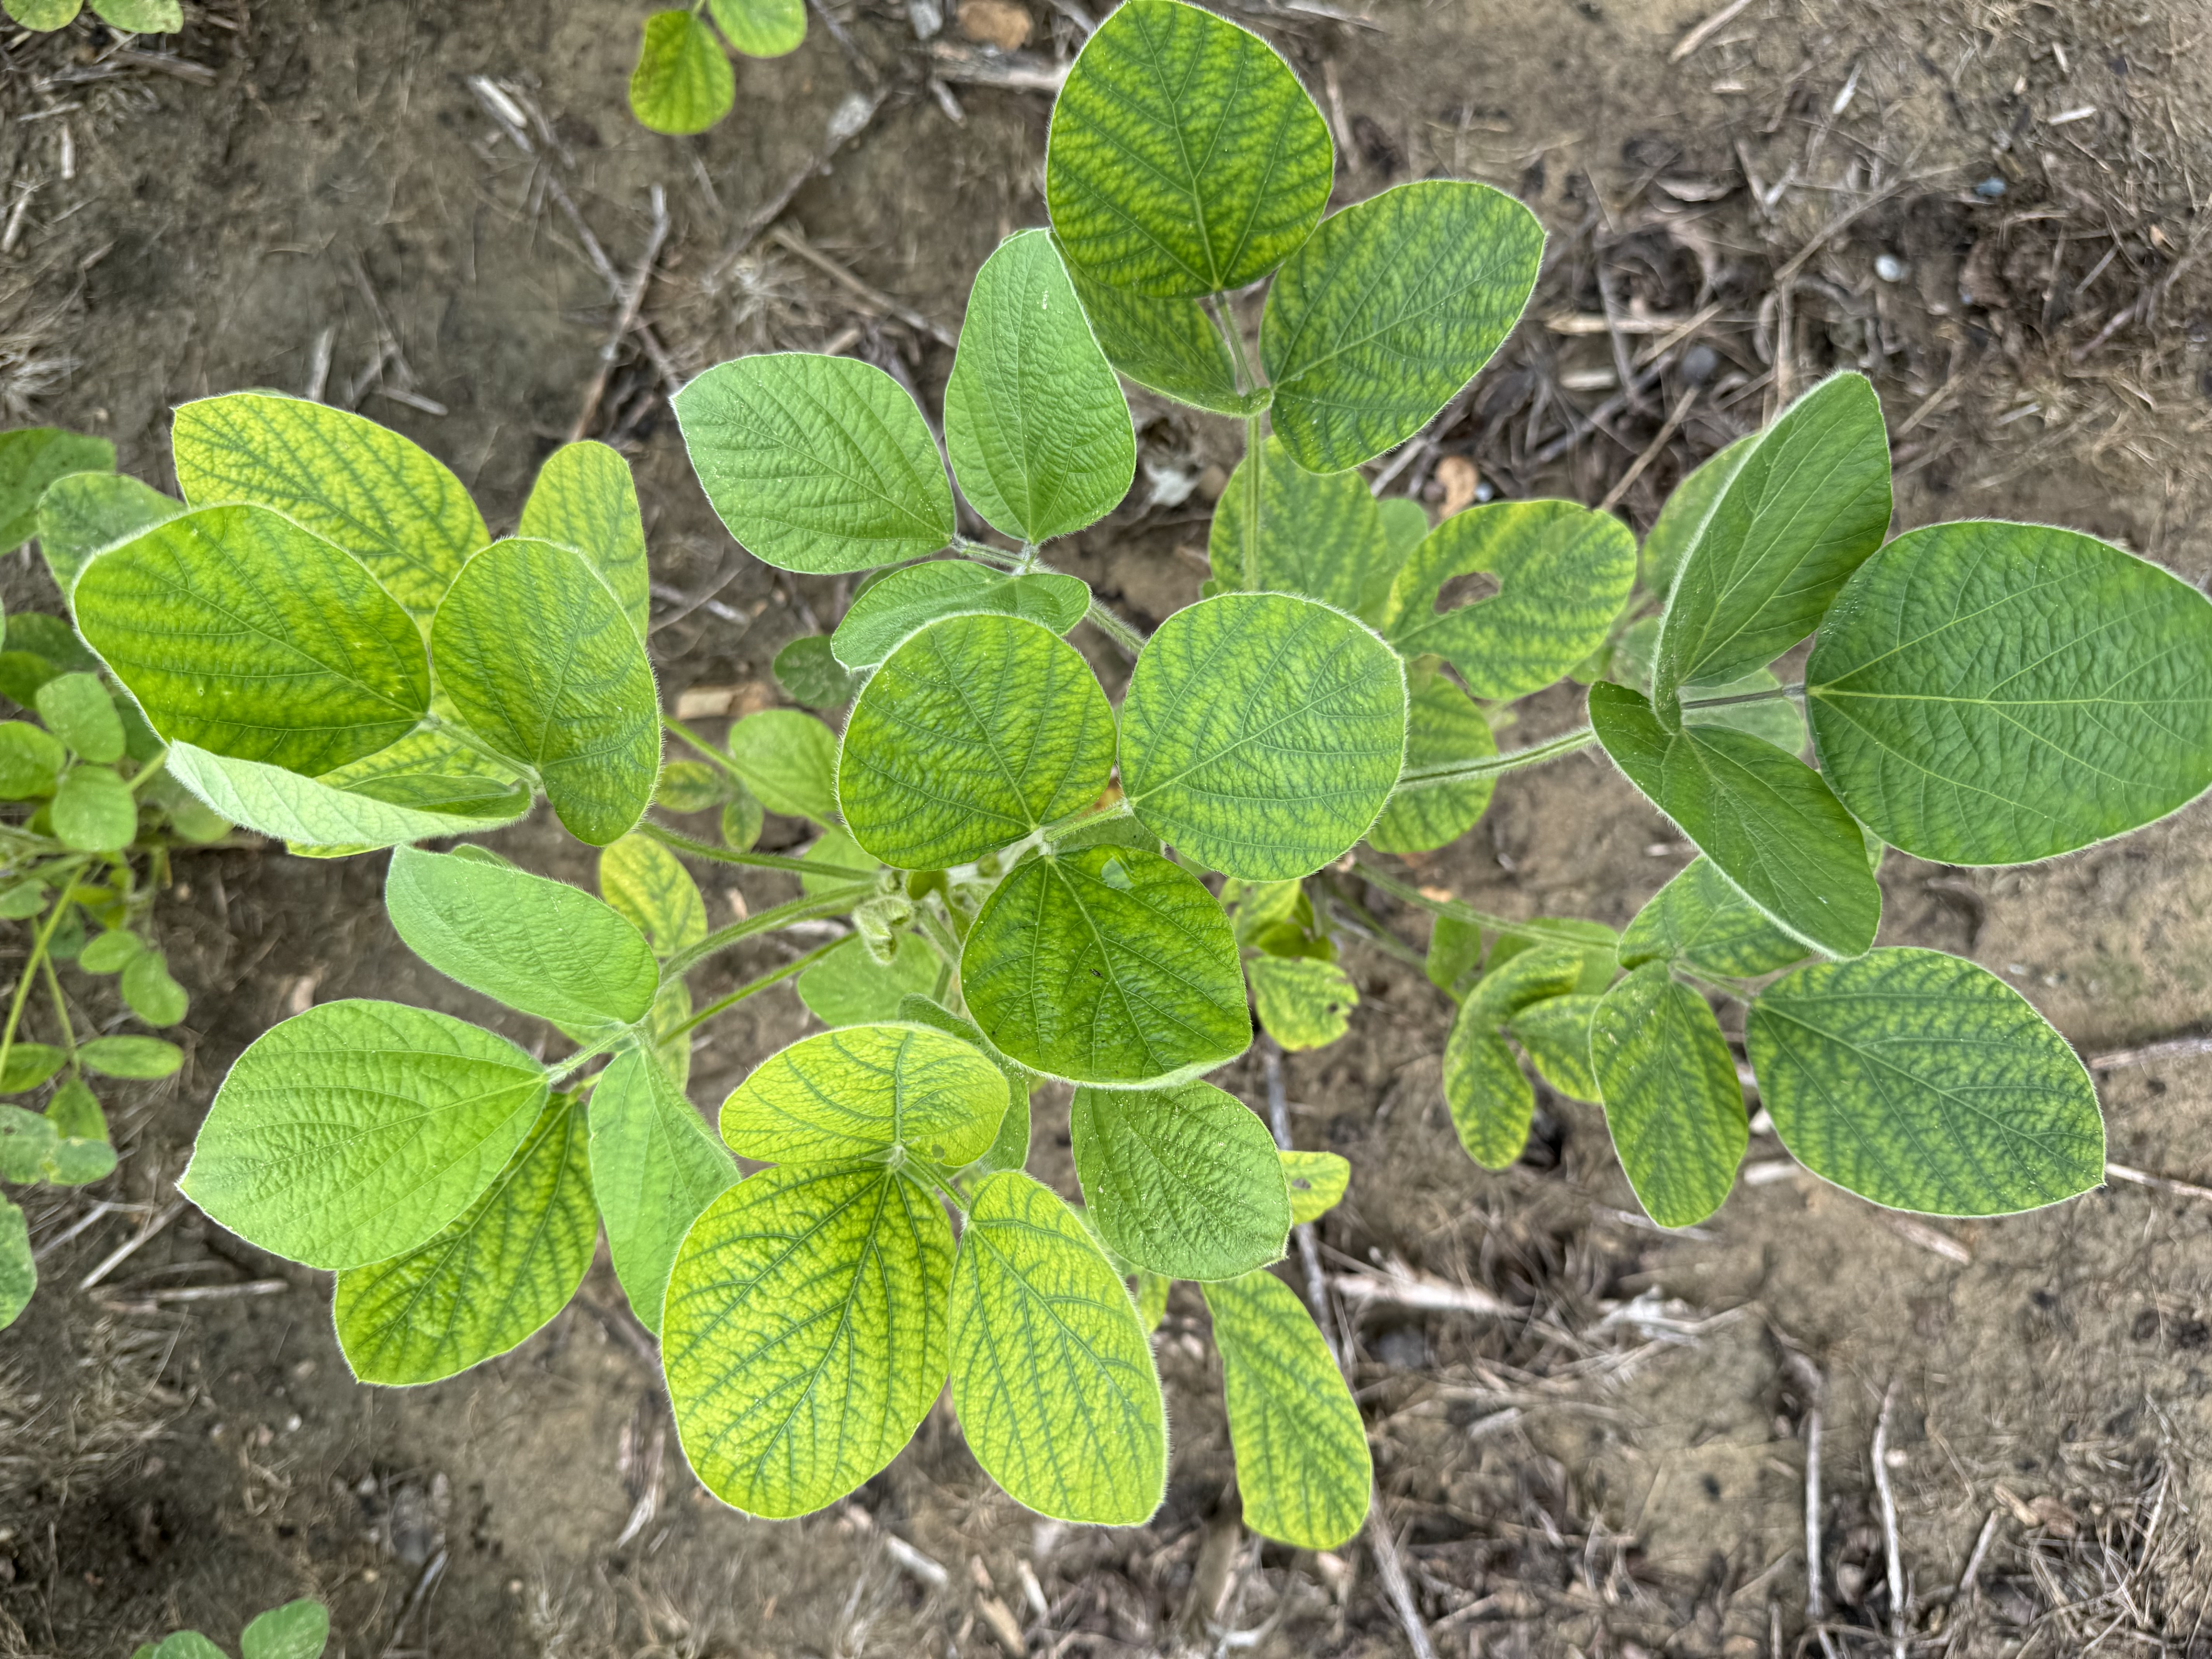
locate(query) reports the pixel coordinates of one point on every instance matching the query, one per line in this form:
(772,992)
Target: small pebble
(1698,363)
(1990,189)
(1889,268)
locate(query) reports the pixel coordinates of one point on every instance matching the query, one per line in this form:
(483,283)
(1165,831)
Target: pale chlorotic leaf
(1051,1372)
(761,29)
(655,1167)
(1987,693)
(1303,1470)
(43,14)
(807,670)
(1151,1295)
(865,1090)
(1107,966)
(432,771)
(241,633)
(309,812)
(848,987)
(1185,158)
(298,1630)
(907,600)
(1168,345)
(539,660)
(536,944)
(1702,918)
(1765,819)
(1563,574)
(816,464)
(1301,1003)
(1317,1182)
(1262,734)
(1393,305)
(386,500)
(93,810)
(1035,421)
(31,459)
(1804,508)
(355,1130)
(804,1334)
(650,887)
(76,709)
(1491,1101)
(683,83)
(487,1281)
(585,501)
(1923,1082)
(976,732)
(184,1644)
(1667,543)
(789,760)
(141,17)
(138,1057)
(1596,944)
(1010,1148)
(19,1272)
(1321,534)
(1672,1102)
(1183,1180)
(1444,729)
(1555,1034)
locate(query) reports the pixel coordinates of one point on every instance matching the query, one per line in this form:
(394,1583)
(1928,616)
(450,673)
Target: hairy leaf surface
(863,1090)
(310,812)
(909,599)
(585,501)
(83,514)
(1183,1180)
(1687,507)
(654,1167)
(1672,1101)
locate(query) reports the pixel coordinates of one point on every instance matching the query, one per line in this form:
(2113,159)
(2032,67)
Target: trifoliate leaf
(808,671)
(652,890)
(655,1167)
(152,994)
(789,760)
(1444,729)
(866,1089)
(1317,1182)
(31,760)
(1555,1034)
(33,458)
(1165,345)
(1703,918)
(1183,1180)
(1684,516)
(307,811)
(1671,1097)
(77,709)
(909,599)
(93,811)
(1321,534)
(585,501)
(848,987)
(1301,1003)
(84,514)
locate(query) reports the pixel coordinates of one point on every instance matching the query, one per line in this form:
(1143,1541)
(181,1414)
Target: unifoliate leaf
(865,1089)
(31,760)
(655,1167)
(539,660)
(1052,1373)
(491,1277)
(585,501)
(1767,820)
(1491,1103)
(139,1057)
(1321,534)
(536,944)
(907,600)
(298,1630)
(19,1271)
(1185,158)
(239,631)
(29,1064)
(1170,345)
(355,1130)
(1182,1181)
(816,464)
(1684,516)
(1671,1097)
(31,459)
(152,994)
(1107,966)
(804,1333)
(309,812)
(1806,506)
(809,672)
(976,732)
(384,500)
(1555,1035)
(1317,1182)
(1262,733)
(93,810)
(1923,1082)
(141,16)
(84,514)
(1303,1470)
(1035,421)
(1988,693)
(1444,729)
(848,987)
(789,760)
(77,709)
(1563,573)
(761,29)
(1301,1003)
(1390,308)
(683,83)
(1702,918)
(74,1162)
(650,887)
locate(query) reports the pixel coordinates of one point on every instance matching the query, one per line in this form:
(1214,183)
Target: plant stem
(1373,928)
(152,769)
(752,985)
(560,1074)
(476,745)
(61,1013)
(940,934)
(1551,749)
(1121,808)
(38,954)
(1536,930)
(678,841)
(1747,696)
(1255,438)
(670,723)
(768,921)
(1114,628)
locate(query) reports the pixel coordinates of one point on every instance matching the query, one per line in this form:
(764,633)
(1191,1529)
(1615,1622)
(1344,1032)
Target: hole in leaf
(1472,589)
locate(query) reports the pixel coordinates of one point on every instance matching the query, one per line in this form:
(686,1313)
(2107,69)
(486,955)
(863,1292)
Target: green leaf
(1302,1464)
(1702,918)
(355,1130)
(809,672)
(31,761)
(75,1112)
(536,944)
(805,1336)
(761,29)
(848,987)
(1051,1372)
(1671,1097)
(1775,719)
(690,786)
(1152,1298)
(1996,693)
(683,83)
(1563,574)
(1261,734)
(976,732)
(1107,966)
(1491,1103)
(1393,305)
(1599,948)
(434,771)
(49,637)
(93,811)
(1317,1182)
(298,1630)
(384,500)
(139,1057)
(1555,1033)
(1169,346)
(44,15)
(1685,515)
(19,1271)
(153,996)
(540,661)
(909,599)
(1321,534)
(864,1091)
(77,709)
(1182,1181)
(1803,509)
(1185,158)
(241,633)
(491,1278)
(1766,819)
(184,1644)
(833,848)
(1035,421)
(33,458)
(652,890)
(1010,1148)
(309,812)
(84,514)
(1443,728)
(1301,1003)
(141,16)
(22,674)
(655,1167)
(585,501)
(29,1064)
(1923,1082)
(742,821)
(816,464)
(790,761)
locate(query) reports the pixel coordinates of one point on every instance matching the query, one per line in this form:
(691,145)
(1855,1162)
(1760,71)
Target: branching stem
(768,921)
(1767,696)
(1536,932)
(753,986)
(39,945)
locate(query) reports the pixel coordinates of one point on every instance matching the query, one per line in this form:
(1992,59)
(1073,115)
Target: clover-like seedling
(683,83)
(298,1630)
(131,17)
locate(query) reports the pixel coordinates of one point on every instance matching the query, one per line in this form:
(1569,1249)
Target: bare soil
(1617,1464)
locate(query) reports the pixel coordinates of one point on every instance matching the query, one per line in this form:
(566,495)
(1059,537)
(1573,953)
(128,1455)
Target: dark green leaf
(1169,346)
(1671,1096)
(1685,515)
(809,672)
(1183,1180)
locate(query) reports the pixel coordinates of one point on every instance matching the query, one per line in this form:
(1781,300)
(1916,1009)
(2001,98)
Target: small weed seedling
(132,16)
(298,1630)
(683,83)
(338,652)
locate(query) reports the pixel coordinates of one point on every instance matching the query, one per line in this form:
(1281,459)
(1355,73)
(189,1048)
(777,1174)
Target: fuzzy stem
(1768,696)
(1536,932)
(679,841)
(768,921)
(1551,749)
(752,985)
(670,723)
